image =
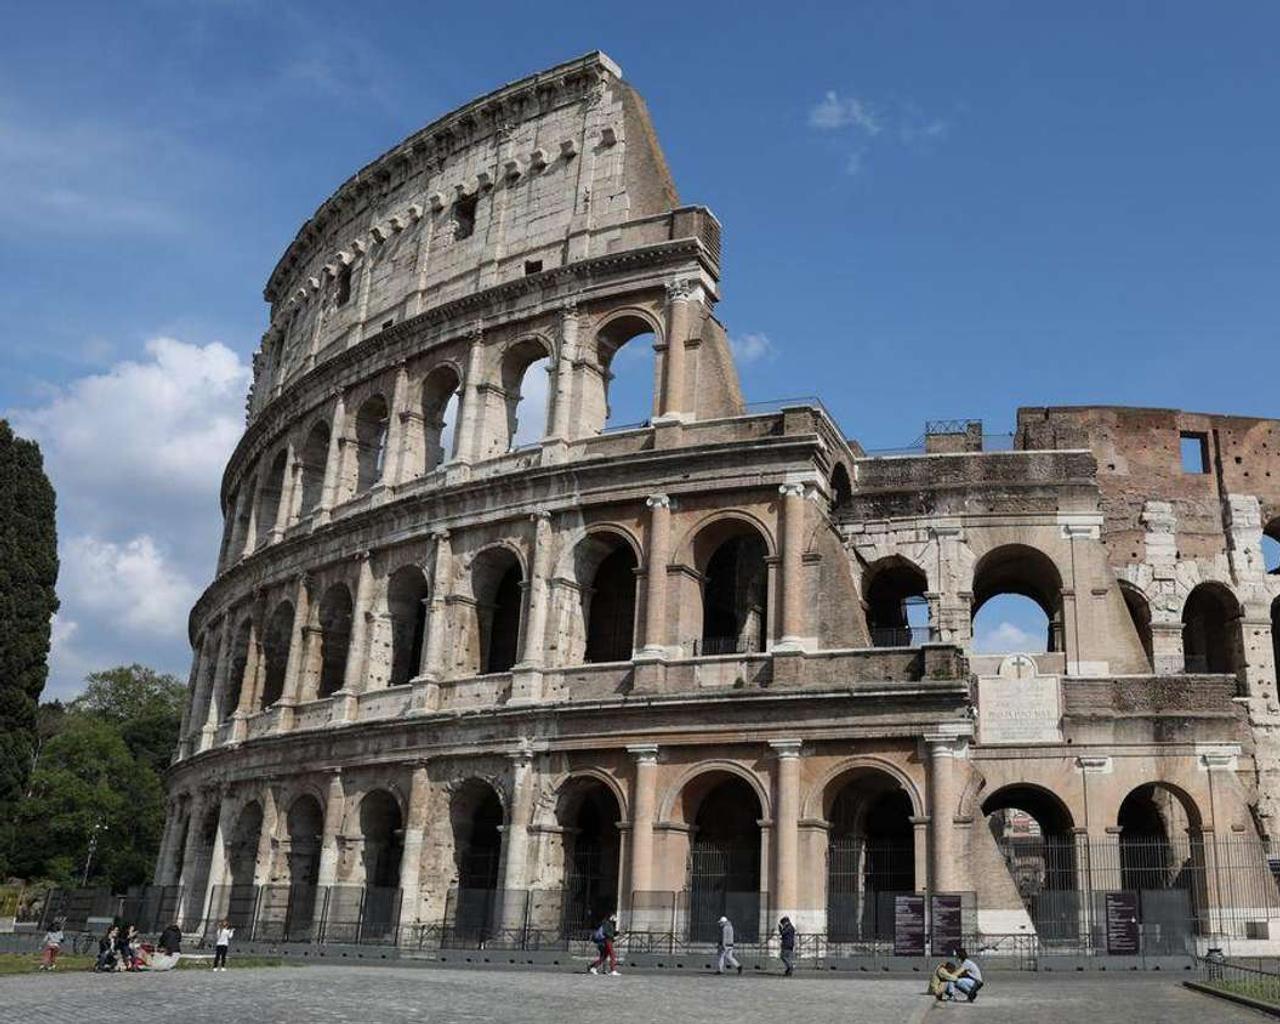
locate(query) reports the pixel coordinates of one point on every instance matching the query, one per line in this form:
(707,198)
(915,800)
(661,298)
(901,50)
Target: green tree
(28,572)
(145,706)
(88,784)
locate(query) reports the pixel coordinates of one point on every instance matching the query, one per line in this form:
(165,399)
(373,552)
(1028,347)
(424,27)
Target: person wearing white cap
(725,948)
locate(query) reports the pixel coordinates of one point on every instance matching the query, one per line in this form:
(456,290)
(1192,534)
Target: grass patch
(1262,991)
(29,963)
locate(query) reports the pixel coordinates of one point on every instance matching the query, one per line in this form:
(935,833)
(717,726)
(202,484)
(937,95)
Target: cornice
(446,135)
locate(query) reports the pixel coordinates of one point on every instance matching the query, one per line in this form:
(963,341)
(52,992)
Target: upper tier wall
(537,175)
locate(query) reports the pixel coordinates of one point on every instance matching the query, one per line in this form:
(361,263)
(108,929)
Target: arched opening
(269,498)
(1024,590)
(497,585)
(1162,861)
(236,671)
(526,367)
(313,458)
(1034,832)
(382,829)
(1271,547)
(439,417)
(407,606)
(1140,613)
(1211,640)
(841,488)
(731,555)
(305,826)
(589,814)
(897,609)
(335,638)
(372,422)
(242,848)
(275,652)
(724,856)
(607,566)
(231,518)
(194,888)
(623,395)
(475,814)
(244,515)
(1275,638)
(870,854)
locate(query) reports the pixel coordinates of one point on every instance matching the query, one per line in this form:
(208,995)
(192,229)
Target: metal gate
(724,881)
(862,881)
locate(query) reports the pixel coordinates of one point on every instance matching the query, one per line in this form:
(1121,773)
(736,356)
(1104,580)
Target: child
(52,947)
(942,977)
(225,931)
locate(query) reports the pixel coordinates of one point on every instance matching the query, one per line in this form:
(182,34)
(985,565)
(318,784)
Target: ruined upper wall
(1138,452)
(549,170)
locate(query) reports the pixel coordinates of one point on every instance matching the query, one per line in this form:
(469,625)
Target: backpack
(597,936)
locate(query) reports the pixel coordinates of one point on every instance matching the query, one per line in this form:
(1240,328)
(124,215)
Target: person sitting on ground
(53,940)
(130,944)
(970,980)
(108,959)
(171,940)
(943,974)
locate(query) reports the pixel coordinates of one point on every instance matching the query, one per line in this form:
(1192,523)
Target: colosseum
(475,672)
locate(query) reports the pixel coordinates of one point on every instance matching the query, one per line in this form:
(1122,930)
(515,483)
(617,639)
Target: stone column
(216,686)
(643,798)
(196,810)
(333,462)
(263,863)
(295,666)
(414,832)
(786,829)
(397,417)
(164,870)
(466,443)
(217,860)
(536,621)
(515,837)
(920,849)
(655,584)
(680,297)
(945,749)
(334,809)
(568,352)
(357,652)
(250,683)
(433,647)
(284,510)
(792,598)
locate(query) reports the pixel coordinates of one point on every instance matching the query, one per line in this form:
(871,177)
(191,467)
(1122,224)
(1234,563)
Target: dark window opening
(1195,453)
(344,285)
(388,323)
(532,267)
(464,216)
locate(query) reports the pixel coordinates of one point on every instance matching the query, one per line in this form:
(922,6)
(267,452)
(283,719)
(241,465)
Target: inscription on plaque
(908,926)
(1018,706)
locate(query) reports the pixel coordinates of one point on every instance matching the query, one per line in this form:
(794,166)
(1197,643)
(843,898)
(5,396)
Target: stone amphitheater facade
(678,665)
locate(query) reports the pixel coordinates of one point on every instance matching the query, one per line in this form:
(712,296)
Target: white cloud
(853,165)
(129,585)
(1006,637)
(136,454)
(117,441)
(833,112)
(752,348)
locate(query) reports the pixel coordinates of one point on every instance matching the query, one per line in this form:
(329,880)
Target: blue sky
(930,210)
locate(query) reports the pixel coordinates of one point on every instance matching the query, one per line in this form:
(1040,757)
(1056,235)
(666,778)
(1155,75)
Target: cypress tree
(28,572)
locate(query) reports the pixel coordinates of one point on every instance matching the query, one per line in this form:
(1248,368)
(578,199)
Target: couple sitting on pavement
(949,981)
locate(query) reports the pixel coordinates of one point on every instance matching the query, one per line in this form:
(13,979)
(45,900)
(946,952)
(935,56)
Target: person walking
(970,979)
(53,940)
(725,947)
(604,936)
(787,940)
(225,933)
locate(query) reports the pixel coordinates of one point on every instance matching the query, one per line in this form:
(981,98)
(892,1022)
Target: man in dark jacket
(171,940)
(787,937)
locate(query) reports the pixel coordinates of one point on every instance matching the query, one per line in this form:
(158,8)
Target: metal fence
(1241,979)
(349,914)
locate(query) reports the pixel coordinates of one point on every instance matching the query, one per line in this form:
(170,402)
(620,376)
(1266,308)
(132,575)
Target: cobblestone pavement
(382,995)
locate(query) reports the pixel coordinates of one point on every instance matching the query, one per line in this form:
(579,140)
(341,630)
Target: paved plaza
(318,994)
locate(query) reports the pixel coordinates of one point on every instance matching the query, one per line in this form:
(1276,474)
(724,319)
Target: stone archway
(725,867)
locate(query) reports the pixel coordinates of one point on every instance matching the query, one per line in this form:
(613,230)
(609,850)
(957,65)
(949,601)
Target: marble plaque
(1017,706)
